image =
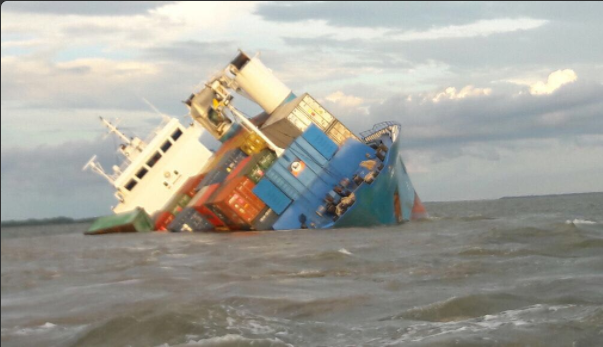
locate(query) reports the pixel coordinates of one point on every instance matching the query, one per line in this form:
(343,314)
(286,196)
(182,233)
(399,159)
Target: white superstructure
(154,170)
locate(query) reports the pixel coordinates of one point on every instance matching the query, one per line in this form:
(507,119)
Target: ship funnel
(258,82)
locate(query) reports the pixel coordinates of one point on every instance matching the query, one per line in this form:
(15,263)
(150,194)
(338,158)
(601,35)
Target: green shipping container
(127,222)
(266,158)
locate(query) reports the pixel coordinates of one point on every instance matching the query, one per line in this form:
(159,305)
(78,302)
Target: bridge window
(140,174)
(154,159)
(131,184)
(166,145)
(176,135)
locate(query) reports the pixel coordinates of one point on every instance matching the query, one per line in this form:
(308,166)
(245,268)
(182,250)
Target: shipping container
(190,186)
(320,142)
(241,168)
(253,144)
(265,220)
(272,196)
(253,167)
(198,202)
(266,158)
(339,133)
(223,168)
(162,220)
(321,116)
(136,220)
(290,120)
(177,203)
(189,220)
(237,202)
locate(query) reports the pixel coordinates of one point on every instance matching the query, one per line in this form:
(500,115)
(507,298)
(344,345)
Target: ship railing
(379,130)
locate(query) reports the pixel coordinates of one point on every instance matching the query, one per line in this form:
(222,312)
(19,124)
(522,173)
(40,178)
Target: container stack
(290,120)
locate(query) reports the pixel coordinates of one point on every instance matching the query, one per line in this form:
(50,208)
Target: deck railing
(378,130)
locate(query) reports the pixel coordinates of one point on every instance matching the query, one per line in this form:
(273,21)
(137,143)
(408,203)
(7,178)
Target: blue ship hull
(388,198)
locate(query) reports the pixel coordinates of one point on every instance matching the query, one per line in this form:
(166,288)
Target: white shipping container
(321,117)
(340,133)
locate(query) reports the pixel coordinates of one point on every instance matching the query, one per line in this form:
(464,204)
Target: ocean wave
(233,340)
(580,221)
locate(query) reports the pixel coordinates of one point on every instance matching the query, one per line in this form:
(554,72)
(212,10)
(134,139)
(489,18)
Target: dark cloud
(86,8)
(424,15)
(572,111)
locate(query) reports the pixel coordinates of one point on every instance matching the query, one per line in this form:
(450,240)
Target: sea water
(509,272)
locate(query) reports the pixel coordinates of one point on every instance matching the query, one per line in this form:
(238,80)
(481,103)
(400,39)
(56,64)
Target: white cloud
(451,93)
(345,100)
(554,82)
(479,28)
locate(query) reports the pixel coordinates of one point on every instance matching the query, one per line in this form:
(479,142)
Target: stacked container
(189,220)
(253,144)
(190,186)
(290,120)
(162,220)
(198,203)
(237,203)
(225,164)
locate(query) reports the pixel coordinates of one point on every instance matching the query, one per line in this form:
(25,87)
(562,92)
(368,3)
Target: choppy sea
(509,272)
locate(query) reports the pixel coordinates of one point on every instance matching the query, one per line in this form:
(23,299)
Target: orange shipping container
(236,201)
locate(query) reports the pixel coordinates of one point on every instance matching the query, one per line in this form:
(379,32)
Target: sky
(494,99)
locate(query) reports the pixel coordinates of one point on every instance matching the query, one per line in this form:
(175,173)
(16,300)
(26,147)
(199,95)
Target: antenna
(95,166)
(154,108)
(113,129)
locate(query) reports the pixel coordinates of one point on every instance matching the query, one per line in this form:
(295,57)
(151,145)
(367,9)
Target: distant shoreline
(44,221)
(546,195)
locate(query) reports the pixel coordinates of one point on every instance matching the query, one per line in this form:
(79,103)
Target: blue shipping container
(319,140)
(272,196)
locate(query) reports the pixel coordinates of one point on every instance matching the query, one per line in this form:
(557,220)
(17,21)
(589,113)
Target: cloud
(97,8)
(554,82)
(478,28)
(451,93)
(422,15)
(490,115)
(344,100)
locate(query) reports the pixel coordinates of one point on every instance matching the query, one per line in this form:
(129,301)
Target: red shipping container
(163,219)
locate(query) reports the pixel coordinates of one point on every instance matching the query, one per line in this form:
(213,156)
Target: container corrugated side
(319,116)
(339,133)
(270,194)
(237,201)
(320,142)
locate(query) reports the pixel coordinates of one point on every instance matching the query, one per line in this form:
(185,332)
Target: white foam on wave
(580,221)
(29,331)
(516,318)
(233,340)
(345,251)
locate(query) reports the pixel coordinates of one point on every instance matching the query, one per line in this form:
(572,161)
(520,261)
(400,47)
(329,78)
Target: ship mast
(113,130)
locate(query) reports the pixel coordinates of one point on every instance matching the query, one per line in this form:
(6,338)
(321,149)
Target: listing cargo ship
(293,166)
